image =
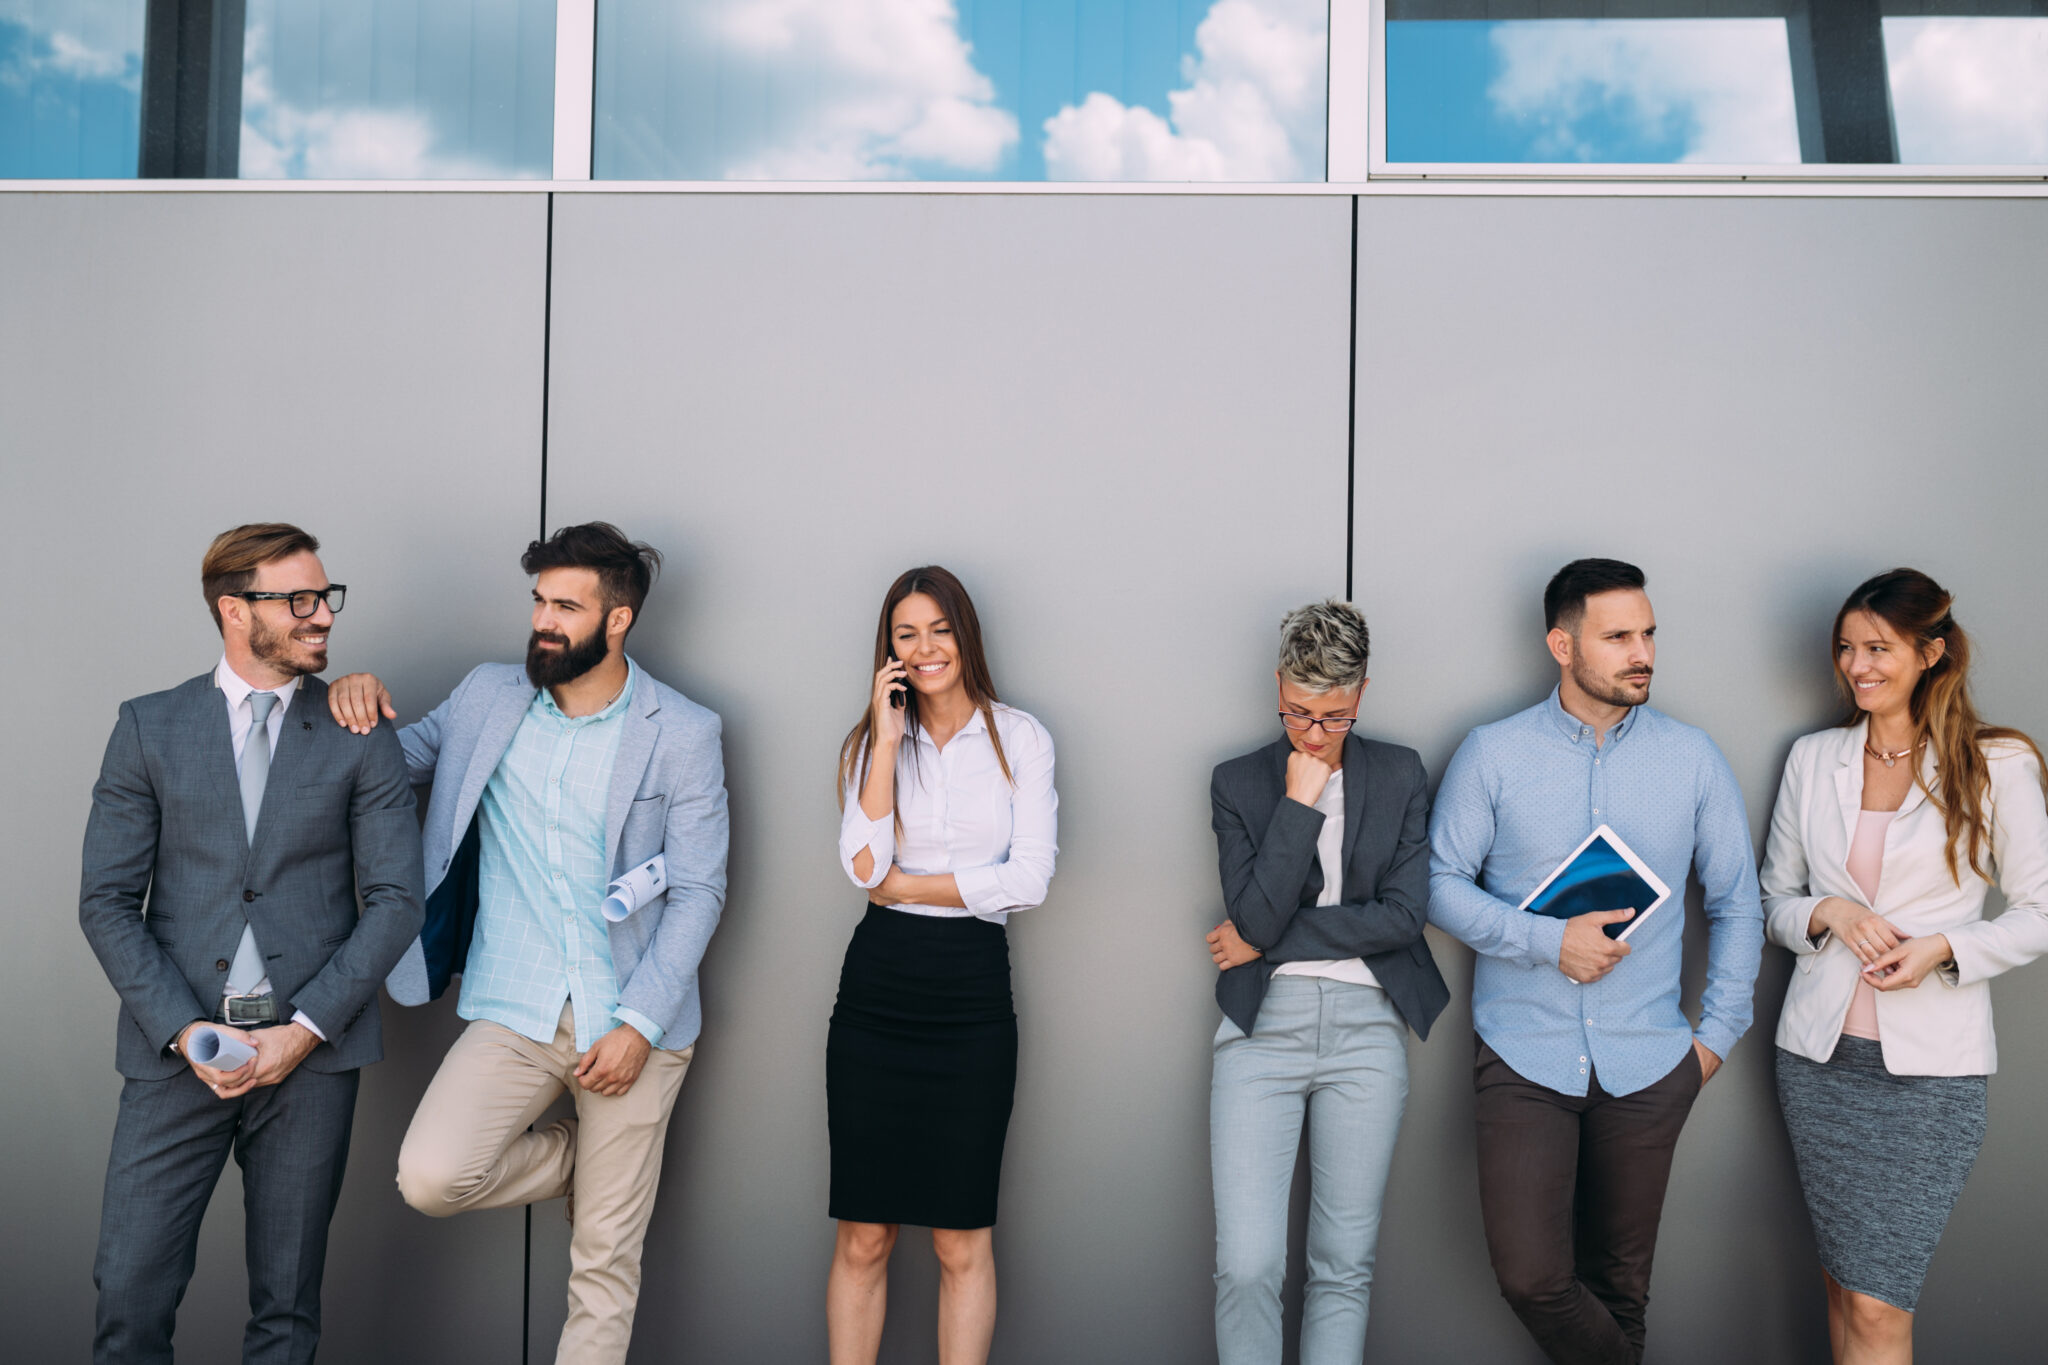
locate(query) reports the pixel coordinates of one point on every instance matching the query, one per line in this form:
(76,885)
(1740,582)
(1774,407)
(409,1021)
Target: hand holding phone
(886,707)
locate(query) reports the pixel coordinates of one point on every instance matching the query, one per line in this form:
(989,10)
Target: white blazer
(1942,1028)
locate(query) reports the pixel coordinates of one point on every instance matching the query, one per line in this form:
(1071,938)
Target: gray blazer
(1266,846)
(171,875)
(667,797)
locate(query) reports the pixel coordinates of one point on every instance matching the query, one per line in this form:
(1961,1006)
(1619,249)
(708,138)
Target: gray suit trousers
(170,1141)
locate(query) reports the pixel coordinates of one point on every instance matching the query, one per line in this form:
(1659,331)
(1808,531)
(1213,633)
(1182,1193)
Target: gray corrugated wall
(1123,420)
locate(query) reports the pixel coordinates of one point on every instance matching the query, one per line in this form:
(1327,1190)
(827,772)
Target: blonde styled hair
(1324,646)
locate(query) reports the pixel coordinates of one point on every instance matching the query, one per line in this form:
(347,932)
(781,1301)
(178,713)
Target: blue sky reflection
(979,90)
(70,88)
(1703,91)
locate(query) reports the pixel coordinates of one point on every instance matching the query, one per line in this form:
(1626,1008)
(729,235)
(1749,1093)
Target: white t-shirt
(1330,852)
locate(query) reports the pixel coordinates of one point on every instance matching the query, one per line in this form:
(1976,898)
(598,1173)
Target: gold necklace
(1890,759)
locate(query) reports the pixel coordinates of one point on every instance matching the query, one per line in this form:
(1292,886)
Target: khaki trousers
(469,1148)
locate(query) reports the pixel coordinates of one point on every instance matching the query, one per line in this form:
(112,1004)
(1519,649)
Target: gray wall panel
(1087,406)
(1761,402)
(1081,405)
(170,365)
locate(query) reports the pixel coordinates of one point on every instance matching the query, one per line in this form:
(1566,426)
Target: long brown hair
(857,751)
(1918,610)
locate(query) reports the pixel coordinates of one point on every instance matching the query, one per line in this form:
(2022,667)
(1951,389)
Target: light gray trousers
(1335,1053)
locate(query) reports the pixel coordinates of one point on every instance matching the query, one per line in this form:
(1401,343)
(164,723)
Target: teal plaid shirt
(541,936)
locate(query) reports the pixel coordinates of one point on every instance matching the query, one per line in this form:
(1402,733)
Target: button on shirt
(1330,855)
(960,815)
(241,720)
(1518,797)
(541,937)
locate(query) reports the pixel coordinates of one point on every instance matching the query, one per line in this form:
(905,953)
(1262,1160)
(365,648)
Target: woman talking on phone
(1888,831)
(949,825)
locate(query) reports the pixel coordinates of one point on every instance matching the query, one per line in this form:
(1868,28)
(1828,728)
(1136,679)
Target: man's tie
(247,972)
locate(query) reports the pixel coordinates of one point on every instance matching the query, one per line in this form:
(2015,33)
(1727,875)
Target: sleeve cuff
(857,832)
(647,1028)
(305,1021)
(1716,1038)
(1546,939)
(980,890)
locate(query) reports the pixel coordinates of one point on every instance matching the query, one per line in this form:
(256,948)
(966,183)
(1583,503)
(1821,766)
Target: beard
(281,650)
(1629,689)
(552,668)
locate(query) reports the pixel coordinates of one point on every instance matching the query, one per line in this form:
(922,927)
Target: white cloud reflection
(1252,108)
(1592,89)
(874,89)
(1969,91)
(81,39)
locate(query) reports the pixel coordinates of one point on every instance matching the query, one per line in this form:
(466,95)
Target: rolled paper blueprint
(637,889)
(210,1047)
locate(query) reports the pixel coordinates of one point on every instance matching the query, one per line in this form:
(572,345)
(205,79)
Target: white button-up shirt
(241,720)
(960,815)
(1330,854)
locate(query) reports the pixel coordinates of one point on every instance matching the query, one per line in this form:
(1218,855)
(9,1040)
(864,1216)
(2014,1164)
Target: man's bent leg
(1528,1172)
(618,1143)
(1354,1117)
(1624,1166)
(293,1151)
(171,1139)
(467,1146)
(1258,1090)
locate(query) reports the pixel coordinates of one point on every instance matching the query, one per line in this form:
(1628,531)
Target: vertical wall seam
(547,348)
(1351,415)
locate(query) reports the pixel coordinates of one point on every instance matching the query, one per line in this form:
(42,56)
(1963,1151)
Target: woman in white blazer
(1888,831)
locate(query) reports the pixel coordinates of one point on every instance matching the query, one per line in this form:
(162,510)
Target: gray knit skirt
(1882,1160)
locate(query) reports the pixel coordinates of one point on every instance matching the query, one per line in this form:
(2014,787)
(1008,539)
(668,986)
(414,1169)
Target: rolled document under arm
(639,888)
(208,1046)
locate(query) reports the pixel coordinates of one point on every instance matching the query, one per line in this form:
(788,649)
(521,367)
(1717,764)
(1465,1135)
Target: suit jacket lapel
(493,738)
(210,719)
(1356,779)
(629,765)
(1849,785)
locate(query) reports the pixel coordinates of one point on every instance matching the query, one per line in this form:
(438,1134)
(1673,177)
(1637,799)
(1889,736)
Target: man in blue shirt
(547,782)
(1586,1066)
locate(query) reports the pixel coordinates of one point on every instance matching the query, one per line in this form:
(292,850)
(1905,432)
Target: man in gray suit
(549,781)
(233,827)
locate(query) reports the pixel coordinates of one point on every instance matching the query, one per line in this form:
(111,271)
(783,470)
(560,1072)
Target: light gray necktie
(247,972)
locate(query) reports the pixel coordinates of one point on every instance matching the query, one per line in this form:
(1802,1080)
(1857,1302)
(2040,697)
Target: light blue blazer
(667,797)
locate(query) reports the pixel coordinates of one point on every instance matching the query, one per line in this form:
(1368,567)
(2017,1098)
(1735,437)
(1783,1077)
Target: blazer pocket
(315,791)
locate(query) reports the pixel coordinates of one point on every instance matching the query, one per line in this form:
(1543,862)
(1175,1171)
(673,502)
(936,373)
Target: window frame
(1354,155)
(1810,174)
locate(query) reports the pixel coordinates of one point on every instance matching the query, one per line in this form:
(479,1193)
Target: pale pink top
(1866,862)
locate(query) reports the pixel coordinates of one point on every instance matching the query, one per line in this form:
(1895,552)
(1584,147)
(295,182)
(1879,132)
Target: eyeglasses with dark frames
(306,601)
(1332,725)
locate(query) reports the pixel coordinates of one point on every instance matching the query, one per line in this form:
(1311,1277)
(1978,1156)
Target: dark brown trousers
(1572,1189)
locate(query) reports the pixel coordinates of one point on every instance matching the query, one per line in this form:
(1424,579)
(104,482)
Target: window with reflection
(398,89)
(1745,83)
(70,88)
(836,90)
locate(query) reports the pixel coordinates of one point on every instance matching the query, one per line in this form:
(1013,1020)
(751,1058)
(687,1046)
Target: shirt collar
(1574,729)
(976,723)
(238,689)
(546,701)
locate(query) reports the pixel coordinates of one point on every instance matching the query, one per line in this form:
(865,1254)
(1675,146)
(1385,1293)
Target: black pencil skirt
(920,1071)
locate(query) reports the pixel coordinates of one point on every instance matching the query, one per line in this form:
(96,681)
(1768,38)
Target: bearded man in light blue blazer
(549,781)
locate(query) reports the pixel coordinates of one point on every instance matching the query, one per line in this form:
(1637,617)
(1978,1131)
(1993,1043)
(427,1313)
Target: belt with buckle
(249,1011)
